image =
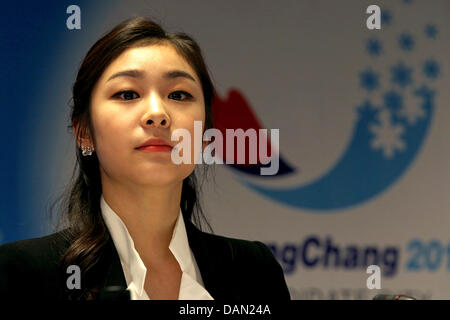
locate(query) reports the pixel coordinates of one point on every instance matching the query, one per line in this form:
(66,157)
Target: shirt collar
(133,267)
(179,246)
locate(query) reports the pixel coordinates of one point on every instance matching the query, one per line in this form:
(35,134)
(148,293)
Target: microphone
(393,297)
(114,293)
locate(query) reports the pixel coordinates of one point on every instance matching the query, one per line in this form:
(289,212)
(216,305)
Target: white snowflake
(387,135)
(412,109)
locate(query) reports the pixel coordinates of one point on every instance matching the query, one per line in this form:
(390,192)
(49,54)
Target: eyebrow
(139,74)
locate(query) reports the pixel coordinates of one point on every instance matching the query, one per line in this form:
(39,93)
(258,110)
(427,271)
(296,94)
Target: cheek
(195,125)
(110,136)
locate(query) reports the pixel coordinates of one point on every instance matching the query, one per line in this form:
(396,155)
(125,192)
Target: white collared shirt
(191,286)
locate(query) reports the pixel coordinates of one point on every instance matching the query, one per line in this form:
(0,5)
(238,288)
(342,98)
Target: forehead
(154,59)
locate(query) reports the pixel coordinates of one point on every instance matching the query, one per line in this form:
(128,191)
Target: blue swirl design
(386,138)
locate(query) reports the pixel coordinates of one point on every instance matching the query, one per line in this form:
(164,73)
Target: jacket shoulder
(251,264)
(44,249)
(29,266)
(240,250)
(243,250)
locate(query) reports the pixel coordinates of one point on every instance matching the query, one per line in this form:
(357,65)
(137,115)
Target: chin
(159,173)
(159,177)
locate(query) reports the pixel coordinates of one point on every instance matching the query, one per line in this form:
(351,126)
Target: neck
(149,213)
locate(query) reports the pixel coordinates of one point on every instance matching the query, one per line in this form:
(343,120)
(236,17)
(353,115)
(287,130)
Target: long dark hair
(80,203)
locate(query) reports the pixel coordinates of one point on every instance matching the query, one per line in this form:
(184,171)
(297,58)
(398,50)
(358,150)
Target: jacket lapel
(114,285)
(214,259)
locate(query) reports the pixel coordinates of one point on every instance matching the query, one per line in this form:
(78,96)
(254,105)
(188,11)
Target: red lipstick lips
(155,144)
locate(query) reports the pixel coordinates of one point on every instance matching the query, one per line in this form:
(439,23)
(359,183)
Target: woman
(129,211)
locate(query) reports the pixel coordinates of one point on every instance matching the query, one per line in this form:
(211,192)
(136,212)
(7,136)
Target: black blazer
(231,269)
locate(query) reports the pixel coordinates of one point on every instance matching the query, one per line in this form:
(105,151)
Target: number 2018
(427,255)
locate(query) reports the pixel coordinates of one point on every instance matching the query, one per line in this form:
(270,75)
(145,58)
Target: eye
(127,94)
(178,95)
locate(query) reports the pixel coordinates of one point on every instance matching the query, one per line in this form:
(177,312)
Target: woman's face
(162,94)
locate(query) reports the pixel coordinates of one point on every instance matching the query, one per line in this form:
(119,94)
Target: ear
(83,137)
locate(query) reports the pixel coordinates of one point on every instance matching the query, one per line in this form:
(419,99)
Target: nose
(156,115)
